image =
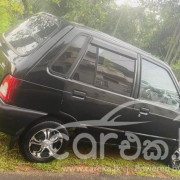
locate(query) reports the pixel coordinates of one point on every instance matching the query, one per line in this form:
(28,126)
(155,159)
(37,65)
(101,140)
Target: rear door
(101,82)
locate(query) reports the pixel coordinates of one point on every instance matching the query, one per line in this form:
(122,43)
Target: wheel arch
(59,117)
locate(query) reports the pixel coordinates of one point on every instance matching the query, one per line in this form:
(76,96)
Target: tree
(153,25)
(166,38)
(11,12)
(26,8)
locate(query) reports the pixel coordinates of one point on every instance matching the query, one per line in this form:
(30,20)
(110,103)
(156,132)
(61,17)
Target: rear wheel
(44,142)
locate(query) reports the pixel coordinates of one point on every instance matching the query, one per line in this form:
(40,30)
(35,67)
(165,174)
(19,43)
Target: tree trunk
(176,55)
(26,8)
(117,25)
(173,43)
(173,48)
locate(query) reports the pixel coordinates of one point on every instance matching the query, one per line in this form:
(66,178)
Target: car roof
(117,42)
(110,39)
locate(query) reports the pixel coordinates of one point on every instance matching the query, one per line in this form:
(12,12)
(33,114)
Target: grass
(12,161)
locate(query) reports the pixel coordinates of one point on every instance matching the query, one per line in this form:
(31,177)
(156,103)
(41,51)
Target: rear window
(26,36)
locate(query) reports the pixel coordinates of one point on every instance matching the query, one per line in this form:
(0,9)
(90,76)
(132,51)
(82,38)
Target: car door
(102,81)
(158,103)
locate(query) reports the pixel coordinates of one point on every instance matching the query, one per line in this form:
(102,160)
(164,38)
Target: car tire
(173,160)
(44,142)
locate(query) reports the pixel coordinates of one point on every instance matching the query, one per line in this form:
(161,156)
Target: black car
(54,72)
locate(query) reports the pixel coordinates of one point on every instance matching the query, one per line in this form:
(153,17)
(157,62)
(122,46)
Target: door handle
(79,95)
(144,112)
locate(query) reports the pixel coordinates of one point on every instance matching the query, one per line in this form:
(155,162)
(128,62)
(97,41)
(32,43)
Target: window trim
(81,53)
(137,78)
(168,70)
(107,47)
(81,59)
(135,68)
(110,46)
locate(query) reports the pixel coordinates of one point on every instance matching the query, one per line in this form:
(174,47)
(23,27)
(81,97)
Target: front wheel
(44,142)
(175,159)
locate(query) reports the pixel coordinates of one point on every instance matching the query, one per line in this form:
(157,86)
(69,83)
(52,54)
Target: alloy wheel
(45,143)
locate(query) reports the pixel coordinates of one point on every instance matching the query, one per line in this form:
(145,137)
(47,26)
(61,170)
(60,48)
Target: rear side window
(115,72)
(63,63)
(86,70)
(157,85)
(26,36)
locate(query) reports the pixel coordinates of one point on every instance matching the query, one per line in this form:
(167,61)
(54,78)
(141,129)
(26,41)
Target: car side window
(157,85)
(86,70)
(63,63)
(115,72)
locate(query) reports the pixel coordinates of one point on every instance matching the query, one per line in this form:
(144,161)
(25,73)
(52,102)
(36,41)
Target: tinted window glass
(26,36)
(115,72)
(63,64)
(157,85)
(86,70)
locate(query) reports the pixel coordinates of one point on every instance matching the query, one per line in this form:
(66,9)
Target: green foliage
(176,69)
(165,41)
(113,164)
(10,12)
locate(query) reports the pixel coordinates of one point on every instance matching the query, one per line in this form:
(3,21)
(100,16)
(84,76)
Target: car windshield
(26,36)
